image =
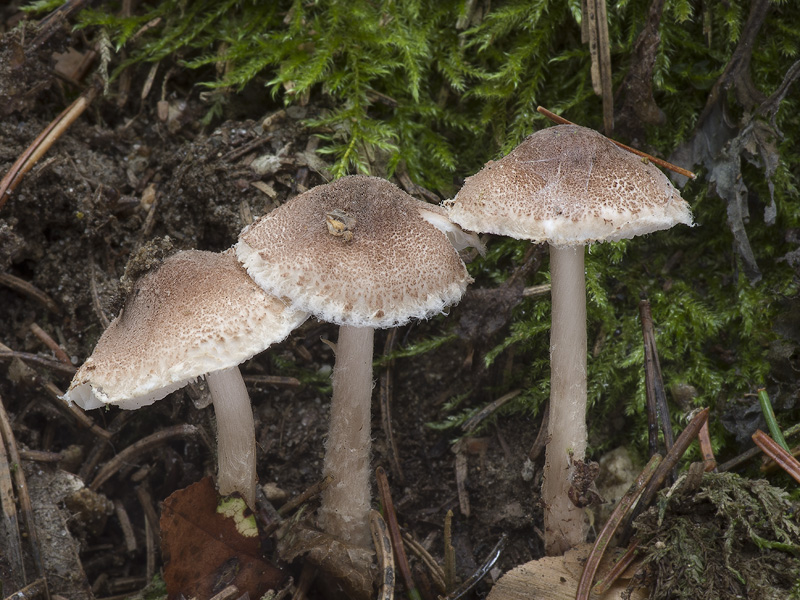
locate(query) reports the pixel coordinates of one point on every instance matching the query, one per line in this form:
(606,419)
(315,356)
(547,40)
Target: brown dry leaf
(554,578)
(353,568)
(204,552)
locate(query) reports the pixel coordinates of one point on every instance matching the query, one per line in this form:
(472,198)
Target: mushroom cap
(198,312)
(569,185)
(358,251)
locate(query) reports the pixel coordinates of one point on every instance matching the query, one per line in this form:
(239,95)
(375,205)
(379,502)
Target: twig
(13,541)
(143,446)
(32,591)
(228,593)
(706,449)
(433,567)
(449,554)
(470,424)
(657,408)
(541,438)
(661,163)
(753,452)
(383,548)
(43,142)
(151,529)
(248,147)
(51,343)
(783,458)
(535,291)
(24,498)
(600,51)
(40,361)
(482,571)
(277,380)
(307,576)
(604,539)
(394,532)
(602,586)
(84,420)
(666,466)
(386,406)
(125,525)
(314,490)
(461,479)
(29,290)
(98,307)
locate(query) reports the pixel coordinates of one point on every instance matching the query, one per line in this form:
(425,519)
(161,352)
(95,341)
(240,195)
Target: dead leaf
(352,568)
(555,578)
(205,551)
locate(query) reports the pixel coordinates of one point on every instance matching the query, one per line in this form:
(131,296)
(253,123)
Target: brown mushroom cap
(197,313)
(358,251)
(569,185)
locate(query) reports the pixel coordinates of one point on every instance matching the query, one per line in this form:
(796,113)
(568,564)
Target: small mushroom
(568,186)
(197,314)
(393,266)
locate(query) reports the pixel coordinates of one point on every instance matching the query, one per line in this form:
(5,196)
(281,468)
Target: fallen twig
(602,586)
(657,408)
(433,567)
(32,591)
(12,549)
(48,341)
(39,361)
(383,548)
(386,406)
(277,380)
(144,445)
(661,163)
(623,507)
(394,533)
(706,448)
(470,424)
(43,142)
(314,490)
(753,452)
(482,571)
(23,497)
(667,465)
(27,289)
(777,453)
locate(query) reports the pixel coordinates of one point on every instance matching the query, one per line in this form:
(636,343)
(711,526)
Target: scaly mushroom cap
(358,251)
(198,312)
(569,185)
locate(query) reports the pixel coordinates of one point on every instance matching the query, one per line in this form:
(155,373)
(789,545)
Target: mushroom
(197,314)
(362,254)
(568,186)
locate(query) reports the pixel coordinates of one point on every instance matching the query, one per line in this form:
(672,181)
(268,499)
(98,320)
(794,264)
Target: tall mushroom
(363,254)
(568,186)
(197,314)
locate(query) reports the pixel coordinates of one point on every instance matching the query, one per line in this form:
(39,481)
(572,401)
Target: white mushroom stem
(564,523)
(346,502)
(236,434)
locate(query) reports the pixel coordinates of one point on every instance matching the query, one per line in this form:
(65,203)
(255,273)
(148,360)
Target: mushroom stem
(236,434)
(346,502)
(564,523)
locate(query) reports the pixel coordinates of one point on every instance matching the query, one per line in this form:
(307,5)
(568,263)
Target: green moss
(733,536)
(427,87)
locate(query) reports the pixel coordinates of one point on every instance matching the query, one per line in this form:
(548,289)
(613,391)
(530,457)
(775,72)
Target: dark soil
(137,177)
(122,186)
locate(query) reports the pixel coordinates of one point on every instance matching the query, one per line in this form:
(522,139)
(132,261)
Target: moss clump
(731,538)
